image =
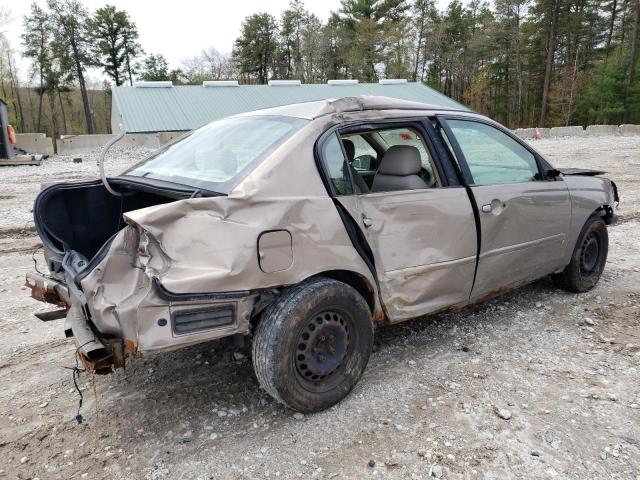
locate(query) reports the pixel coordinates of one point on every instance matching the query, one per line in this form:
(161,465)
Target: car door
(524,217)
(423,240)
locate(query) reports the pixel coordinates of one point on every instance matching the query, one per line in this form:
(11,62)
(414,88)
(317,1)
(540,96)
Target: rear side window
(336,166)
(493,157)
(219,155)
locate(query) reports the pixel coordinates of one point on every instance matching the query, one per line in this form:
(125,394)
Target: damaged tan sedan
(303,227)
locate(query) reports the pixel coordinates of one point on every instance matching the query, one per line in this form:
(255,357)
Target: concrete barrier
(526,133)
(627,129)
(573,131)
(602,130)
(166,137)
(77,144)
(530,133)
(35,143)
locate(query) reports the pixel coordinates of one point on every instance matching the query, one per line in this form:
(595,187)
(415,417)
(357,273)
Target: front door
(421,231)
(524,218)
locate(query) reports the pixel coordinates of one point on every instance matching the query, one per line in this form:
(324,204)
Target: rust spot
(131,346)
(45,293)
(99,366)
(110,358)
(493,294)
(379,317)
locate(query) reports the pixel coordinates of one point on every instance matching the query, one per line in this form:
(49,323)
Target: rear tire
(588,259)
(313,344)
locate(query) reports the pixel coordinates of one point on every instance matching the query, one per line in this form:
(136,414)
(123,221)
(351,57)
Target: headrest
(349,148)
(400,160)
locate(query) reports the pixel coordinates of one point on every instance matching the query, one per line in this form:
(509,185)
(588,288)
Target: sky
(177,30)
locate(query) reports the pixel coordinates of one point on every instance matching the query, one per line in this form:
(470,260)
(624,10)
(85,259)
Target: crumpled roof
(311,110)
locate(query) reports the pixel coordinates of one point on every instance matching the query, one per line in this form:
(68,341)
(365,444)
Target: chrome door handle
(366,221)
(496,207)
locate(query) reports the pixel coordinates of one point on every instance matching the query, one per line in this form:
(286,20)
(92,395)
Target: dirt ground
(536,384)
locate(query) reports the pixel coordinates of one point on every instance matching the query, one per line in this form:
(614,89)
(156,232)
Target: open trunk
(80,218)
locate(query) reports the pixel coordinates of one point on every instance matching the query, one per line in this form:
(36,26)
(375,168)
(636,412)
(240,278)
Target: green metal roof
(179,108)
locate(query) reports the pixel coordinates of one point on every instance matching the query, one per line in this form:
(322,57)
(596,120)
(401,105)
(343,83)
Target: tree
(35,41)
(210,64)
(154,68)
(553,10)
(114,42)
(69,20)
(362,24)
(633,61)
(255,50)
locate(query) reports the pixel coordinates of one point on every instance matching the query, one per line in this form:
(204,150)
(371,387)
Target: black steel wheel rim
(323,348)
(589,254)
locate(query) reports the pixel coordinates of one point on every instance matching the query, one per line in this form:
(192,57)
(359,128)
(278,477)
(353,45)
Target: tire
(588,259)
(312,344)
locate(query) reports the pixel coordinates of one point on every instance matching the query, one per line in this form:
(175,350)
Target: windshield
(219,155)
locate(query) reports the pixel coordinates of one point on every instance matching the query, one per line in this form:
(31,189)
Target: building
(149,107)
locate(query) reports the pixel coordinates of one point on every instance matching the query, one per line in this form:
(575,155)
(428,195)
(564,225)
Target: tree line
(522,62)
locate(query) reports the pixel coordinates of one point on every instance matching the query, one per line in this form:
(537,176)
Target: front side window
(492,156)
(364,155)
(336,166)
(217,156)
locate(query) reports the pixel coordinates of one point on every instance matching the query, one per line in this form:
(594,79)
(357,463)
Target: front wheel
(313,344)
(588,259)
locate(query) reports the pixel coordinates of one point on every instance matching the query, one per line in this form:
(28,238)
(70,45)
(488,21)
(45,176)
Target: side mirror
(552,173)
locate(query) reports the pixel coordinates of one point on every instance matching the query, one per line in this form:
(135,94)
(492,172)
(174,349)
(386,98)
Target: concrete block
(35,143)
(526,133)
(77,144)
(602,130)
(530,133)
(573,131)
(628,129)
(147,140)
(166,137)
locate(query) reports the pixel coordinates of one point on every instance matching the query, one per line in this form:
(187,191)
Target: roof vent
(393,81)
(284,83)
(343,82)
(160,84)
(220,83)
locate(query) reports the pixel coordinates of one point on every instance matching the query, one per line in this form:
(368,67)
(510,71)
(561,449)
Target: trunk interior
(82,217)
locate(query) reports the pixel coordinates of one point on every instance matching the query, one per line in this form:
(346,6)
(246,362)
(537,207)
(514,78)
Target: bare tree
(554,6)
(69,19)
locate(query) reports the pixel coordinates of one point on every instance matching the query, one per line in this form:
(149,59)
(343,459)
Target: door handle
(496,207)
(366,221)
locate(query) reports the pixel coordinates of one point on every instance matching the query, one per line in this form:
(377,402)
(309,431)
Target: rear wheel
(588,259)
(313,344)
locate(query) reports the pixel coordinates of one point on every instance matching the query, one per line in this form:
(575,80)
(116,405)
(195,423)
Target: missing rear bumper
(97,356)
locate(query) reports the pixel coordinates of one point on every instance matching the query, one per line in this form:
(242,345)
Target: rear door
(423,240)
(524,217)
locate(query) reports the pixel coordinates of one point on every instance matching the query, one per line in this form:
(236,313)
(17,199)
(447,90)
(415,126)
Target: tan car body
(279,226)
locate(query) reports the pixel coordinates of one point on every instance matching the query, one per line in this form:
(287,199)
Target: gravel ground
(536,384)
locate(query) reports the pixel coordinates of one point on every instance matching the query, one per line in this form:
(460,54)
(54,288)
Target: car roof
(316,109)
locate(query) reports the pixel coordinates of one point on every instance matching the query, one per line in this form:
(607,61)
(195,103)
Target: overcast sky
(177,29)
